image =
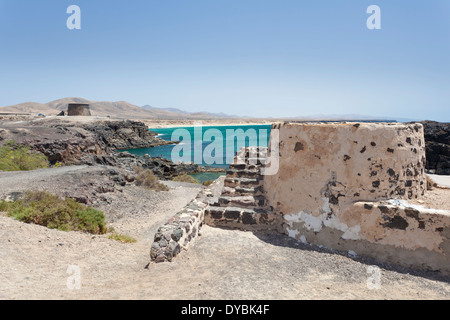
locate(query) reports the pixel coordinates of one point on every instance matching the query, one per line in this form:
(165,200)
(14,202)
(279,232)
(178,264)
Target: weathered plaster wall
(329,165)
(389,232)
(333,183)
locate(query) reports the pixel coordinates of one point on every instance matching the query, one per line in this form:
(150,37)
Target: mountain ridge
(126,110)
(117,109)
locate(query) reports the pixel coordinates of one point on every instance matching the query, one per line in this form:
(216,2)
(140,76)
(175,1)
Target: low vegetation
(58,165)
(147,179)
(46,209)
(185,178)
(207,183)
(122,238)
(20,158)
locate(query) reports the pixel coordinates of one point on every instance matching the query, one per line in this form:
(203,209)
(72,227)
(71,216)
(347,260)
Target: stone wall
(388,231)
(183,228)
(339,185)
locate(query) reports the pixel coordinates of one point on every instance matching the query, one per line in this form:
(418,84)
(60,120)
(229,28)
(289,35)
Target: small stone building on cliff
(78,109)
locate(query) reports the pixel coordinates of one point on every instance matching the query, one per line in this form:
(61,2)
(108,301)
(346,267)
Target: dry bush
(207,183)
(185,178)
(147,179)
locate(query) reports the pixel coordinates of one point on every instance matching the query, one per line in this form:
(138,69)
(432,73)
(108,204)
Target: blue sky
(262,58)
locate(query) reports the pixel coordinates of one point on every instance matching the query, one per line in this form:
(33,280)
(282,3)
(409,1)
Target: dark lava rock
(437,140)
(126,134)
(71,143)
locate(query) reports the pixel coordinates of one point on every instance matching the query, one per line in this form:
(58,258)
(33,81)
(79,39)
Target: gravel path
(39,263)
(28,180)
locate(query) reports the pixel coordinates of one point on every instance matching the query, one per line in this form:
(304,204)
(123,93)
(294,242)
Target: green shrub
(46,209)
(7,165)
(185,178)
(20,158)
(3,206)
(91,220)
(147,179)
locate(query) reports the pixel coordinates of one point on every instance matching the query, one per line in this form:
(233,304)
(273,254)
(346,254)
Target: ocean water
(213,146)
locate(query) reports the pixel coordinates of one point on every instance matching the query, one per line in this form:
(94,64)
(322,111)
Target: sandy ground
(223,264)
(443,181)
(39,263)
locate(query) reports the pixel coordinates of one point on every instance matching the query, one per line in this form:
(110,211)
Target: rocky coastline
(95,143)
(103,141)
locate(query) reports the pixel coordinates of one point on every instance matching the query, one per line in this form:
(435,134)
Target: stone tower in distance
(78,109)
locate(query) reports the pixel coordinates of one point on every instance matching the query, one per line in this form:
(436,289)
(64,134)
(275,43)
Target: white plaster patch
(350,233)
(352,254)
(316,223)
(292,233)
(303,239)
(406,204)
(326,205)
(312,222)
(293,217)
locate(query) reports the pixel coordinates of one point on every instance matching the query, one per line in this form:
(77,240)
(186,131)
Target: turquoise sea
(213,146)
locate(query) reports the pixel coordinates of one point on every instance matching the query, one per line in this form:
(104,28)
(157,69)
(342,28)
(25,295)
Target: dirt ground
(223,264)
(39,263)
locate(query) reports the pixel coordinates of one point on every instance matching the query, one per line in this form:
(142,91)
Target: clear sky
(264,58)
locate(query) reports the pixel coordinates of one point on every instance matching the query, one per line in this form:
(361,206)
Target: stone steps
(243,166)
(242,203)
(244,173)
(248,163)
(252,152)
(243,218)
(243,191)
(242,182)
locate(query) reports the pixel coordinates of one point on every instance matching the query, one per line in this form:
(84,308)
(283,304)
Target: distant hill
(29,107)
(118,109)
(174,110)
(203,113)
(126,110)
(341,117)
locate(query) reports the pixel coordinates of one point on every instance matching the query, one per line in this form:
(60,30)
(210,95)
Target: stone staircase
(242,203)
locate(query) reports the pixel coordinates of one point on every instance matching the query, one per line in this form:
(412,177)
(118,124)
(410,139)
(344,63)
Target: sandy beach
(186,123)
